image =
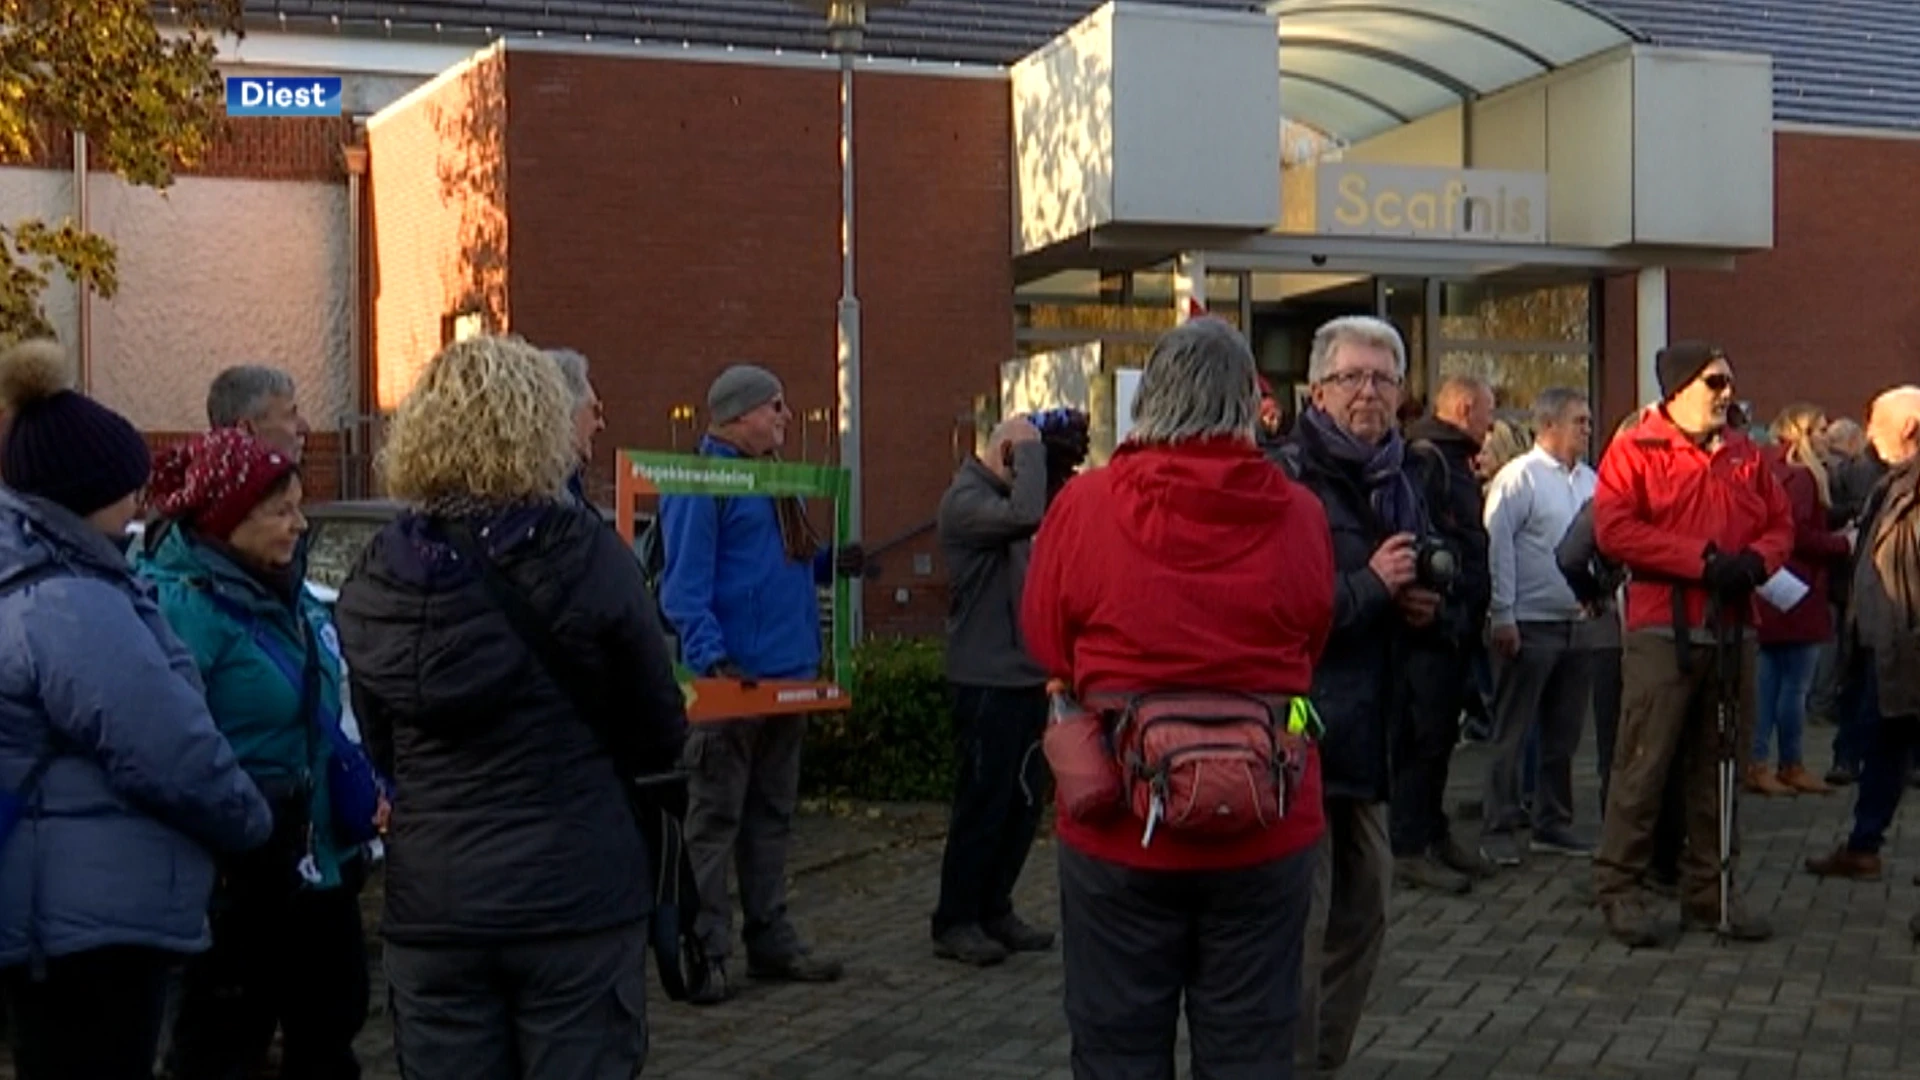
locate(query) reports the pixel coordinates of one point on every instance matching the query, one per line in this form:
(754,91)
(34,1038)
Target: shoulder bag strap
(675,950)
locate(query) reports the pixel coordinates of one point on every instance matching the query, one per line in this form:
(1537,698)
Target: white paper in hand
(1783,590)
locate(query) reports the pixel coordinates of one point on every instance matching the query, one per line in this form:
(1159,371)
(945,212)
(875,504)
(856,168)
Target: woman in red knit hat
(287,949)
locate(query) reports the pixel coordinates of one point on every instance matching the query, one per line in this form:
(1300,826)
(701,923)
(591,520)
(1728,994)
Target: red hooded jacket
(1815,550)
(1192,566)
(1662,500)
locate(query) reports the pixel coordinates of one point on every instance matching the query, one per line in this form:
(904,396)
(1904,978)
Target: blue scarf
(1382,469)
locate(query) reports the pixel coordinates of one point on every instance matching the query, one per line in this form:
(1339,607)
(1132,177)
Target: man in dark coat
(1347,451)
(1440,660)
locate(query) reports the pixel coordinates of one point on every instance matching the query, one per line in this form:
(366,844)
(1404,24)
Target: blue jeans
(1785,679)
(1883,778)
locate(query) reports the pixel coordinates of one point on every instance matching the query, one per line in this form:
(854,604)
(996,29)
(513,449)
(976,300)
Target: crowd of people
(1242,654)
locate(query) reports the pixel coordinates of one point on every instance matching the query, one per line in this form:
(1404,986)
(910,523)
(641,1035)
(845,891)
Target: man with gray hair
(1348,452)
(259,401)
(589,418)
(1544,639)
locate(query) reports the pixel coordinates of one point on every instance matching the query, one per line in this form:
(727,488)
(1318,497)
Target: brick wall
(672,217)
(1830,315)
(247,148)
(436,221)
(319,463)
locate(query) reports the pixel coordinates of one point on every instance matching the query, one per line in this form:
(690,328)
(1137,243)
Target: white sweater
(1530,505)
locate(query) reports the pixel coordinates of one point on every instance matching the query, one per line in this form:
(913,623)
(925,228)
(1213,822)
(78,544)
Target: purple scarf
(1382,469)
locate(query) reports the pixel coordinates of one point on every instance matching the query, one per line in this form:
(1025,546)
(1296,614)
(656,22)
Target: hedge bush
(896,743)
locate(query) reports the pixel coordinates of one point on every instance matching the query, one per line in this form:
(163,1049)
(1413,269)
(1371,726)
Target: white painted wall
(213,272)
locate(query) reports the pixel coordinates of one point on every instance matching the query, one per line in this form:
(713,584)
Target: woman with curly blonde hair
(517,887)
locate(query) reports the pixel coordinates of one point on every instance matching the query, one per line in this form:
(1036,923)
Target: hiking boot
(1845,863)
(968,944)
(1633,924)
(1462,860)
(1559,840)
(710,985)
(1428,872)
(1013,933)
(1913,927)
(1841,776)
(1799,779)
(1741,924)
(1761,781)
(1500,849)
(799,967)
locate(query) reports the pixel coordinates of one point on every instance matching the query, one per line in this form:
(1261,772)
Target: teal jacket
(254,702)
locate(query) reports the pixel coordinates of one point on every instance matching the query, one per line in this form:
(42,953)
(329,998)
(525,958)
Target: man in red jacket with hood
(1689,506)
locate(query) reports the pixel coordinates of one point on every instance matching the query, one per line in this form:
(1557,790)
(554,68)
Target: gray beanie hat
(739,390)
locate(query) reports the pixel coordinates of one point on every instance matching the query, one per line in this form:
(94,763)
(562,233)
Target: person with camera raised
(1348,452)
(1440,659)
(1689,506)
(986,524)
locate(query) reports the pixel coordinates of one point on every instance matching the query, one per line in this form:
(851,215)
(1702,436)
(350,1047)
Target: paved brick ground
(1515,981)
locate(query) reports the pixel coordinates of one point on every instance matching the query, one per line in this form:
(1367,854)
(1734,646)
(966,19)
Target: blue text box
(283,95)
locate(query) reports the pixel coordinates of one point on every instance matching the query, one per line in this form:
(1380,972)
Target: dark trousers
(555,1007)
(1670,830)
(298,964)
(998,792)
(1859,716)
(1546,687)
(1424,742)
(94,1016)
(741,795)
(1230,942)
(1669,725)
(1885,776)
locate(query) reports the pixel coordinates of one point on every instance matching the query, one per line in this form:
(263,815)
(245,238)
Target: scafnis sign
(641,475)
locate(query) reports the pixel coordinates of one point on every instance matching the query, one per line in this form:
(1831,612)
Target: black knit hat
(61,445)
(1677,365)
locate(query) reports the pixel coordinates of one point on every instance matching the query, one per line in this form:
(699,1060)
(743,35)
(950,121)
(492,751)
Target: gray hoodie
(986,532)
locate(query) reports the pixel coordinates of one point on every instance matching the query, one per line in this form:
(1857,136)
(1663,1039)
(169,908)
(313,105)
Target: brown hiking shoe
(1633,924)
(1761,781)
(1843,863)
(1799,779)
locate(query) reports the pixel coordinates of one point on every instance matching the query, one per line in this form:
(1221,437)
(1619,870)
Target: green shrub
(896,743)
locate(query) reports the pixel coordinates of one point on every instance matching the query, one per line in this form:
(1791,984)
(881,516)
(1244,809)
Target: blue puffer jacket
(729,588)
(114,849)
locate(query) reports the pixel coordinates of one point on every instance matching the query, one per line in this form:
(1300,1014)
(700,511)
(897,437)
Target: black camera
(1435,565)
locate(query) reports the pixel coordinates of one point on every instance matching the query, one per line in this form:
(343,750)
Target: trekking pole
(1727,643)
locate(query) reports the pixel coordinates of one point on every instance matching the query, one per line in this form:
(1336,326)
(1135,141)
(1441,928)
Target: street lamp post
(846,28)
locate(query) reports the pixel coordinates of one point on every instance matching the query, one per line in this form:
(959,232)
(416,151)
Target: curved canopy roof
(1355,68)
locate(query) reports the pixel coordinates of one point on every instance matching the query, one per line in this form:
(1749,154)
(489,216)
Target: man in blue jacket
(740,587)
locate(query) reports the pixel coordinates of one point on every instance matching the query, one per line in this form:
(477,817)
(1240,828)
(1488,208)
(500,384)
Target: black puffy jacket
(509,818)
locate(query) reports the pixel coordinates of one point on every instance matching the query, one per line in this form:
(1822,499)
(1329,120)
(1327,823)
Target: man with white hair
(986,524)
(589,419)
(1348,452)
(1877,640)
(259,401)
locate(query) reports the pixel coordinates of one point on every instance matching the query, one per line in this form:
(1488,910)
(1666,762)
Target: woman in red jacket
(1790,640)
(1188,564)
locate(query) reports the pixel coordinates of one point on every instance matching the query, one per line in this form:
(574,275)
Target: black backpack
(650,548)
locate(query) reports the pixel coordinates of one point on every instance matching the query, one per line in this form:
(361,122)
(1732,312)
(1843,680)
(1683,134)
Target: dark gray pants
(1346,930)
(572,1007)
(744,787)
(1550,683)
(1136,941)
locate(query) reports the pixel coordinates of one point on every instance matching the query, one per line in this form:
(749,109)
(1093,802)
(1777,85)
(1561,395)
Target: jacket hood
(418,627)
(36,534)
(1443,435)
(170,555)
(1198,505)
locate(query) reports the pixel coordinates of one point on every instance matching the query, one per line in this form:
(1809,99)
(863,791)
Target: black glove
(727,669)
(1732,577)
(851,562)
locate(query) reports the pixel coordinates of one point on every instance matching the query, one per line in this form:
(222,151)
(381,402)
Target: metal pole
(849,354)
(83,335)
